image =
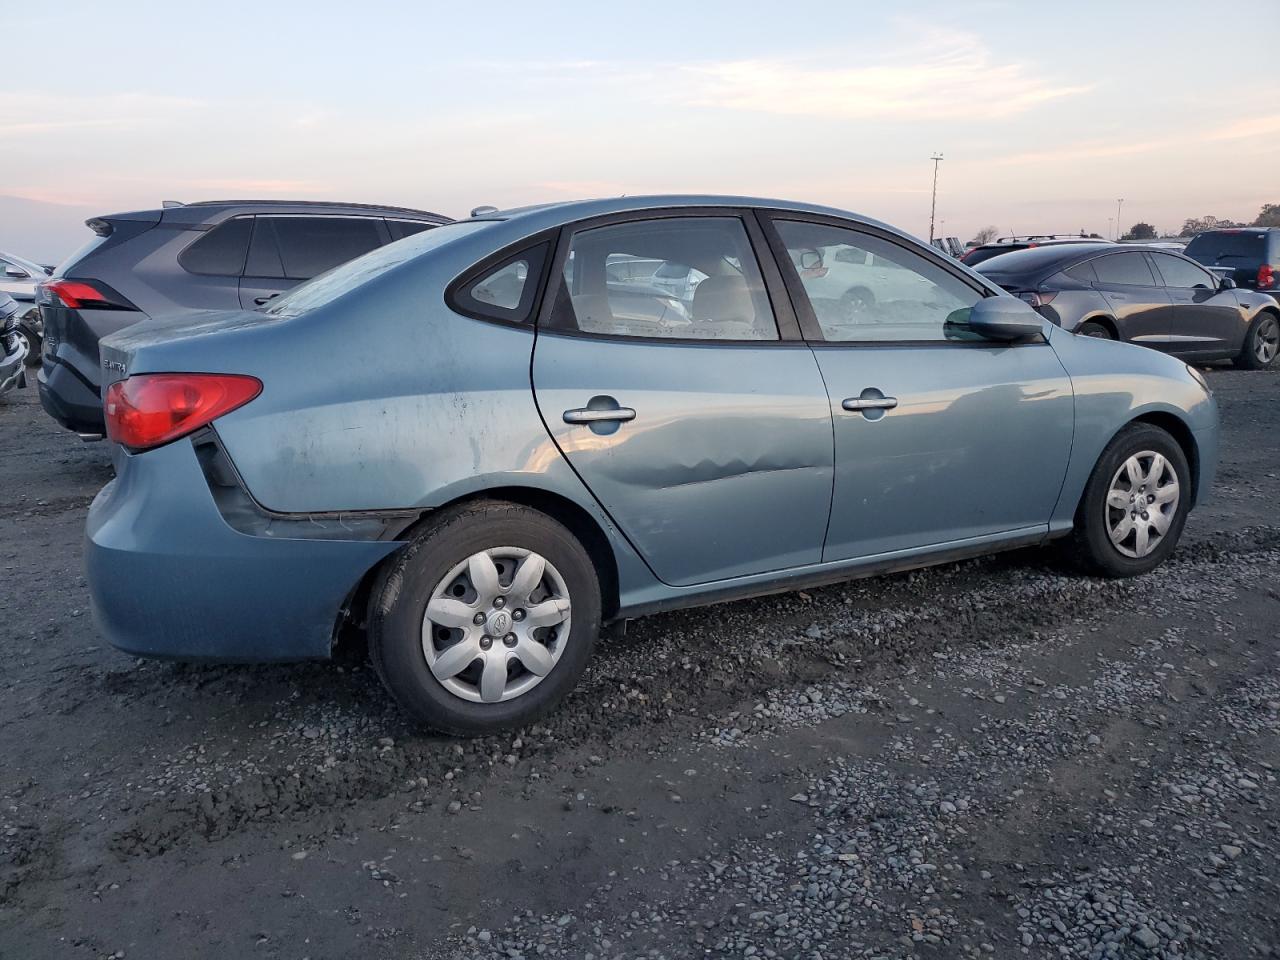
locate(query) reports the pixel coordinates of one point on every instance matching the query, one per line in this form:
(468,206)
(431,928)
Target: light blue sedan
(478,444)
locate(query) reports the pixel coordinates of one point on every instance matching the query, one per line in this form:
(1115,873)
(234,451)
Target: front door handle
(608,415)
(870,403)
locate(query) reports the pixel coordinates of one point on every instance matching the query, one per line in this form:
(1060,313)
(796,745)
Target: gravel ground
(990,758)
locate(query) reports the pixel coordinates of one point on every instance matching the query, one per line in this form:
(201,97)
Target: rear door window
(221,251)
(311,245)
(1124,269)
(709,286)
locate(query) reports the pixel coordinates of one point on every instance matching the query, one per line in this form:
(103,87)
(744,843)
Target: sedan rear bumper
(169,578)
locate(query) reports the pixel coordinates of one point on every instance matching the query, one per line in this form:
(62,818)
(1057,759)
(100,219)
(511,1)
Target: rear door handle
(610,415)
(870,403)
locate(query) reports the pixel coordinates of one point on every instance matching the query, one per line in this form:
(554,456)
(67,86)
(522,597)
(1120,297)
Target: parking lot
(987,758)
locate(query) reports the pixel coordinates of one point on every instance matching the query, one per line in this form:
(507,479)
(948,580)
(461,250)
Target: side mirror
(16,273)
(810,260)
(1227,283)
(1004,318)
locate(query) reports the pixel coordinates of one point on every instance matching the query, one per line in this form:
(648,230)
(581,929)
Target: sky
(1046,114)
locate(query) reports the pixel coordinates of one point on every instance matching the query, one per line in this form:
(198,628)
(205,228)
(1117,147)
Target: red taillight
(153,408)
(81,293)
(814,273)
(1266,277)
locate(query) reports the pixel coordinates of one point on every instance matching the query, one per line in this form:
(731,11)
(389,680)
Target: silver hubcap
(496,625)
(1267,340)
(1141,503)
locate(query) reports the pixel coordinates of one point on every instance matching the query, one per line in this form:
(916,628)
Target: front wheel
(486,620)
(1261,343)
(1096,330)
(1135,504)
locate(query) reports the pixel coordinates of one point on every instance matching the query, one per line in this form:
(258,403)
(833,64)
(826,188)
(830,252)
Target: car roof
(1022,242)
(1236,230)
(204,210)
(549,215)
(1048,258)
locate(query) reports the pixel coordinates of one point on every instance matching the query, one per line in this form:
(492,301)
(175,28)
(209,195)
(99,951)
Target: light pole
(933,207)
(1119,204)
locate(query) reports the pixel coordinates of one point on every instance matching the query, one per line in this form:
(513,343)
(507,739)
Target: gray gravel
(992,758)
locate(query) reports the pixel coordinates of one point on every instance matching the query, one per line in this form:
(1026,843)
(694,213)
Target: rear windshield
(79,255)
(1036,260)
(980,254)
(329,286)
(1235,248)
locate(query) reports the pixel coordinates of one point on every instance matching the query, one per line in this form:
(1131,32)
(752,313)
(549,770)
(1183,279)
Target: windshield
(341,279)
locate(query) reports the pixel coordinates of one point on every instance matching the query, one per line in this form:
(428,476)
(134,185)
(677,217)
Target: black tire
(1090,543)
(399,599)
(1096,330)
(1265,324)
(34,344)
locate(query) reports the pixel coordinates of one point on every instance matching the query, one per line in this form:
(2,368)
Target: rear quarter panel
(1116,384)
(383,399)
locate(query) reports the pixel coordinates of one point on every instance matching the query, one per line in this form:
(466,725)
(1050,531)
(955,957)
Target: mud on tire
(399,629)
(1094,545)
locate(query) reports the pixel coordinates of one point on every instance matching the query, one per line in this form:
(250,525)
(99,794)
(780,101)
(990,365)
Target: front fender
(1118,383)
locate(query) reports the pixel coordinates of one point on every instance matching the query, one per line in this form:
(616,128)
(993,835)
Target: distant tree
(1269,217)
(1196,225)
(1140,231)
(985,235)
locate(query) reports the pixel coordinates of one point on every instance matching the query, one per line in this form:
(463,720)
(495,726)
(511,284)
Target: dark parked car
(220,255)
(13,347)
(515,450)
(976,255)
(1149,296)
(1249,256)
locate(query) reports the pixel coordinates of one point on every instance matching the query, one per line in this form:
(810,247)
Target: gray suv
(219,255)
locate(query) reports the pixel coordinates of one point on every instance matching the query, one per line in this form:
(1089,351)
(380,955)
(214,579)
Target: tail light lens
(81,293)
(1040,298)
(151,409)
(1266,277)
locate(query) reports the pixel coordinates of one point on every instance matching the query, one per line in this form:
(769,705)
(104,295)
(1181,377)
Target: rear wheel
(1093,329)
(486,620)
(34,345)
(1261,343)
(1135,504)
